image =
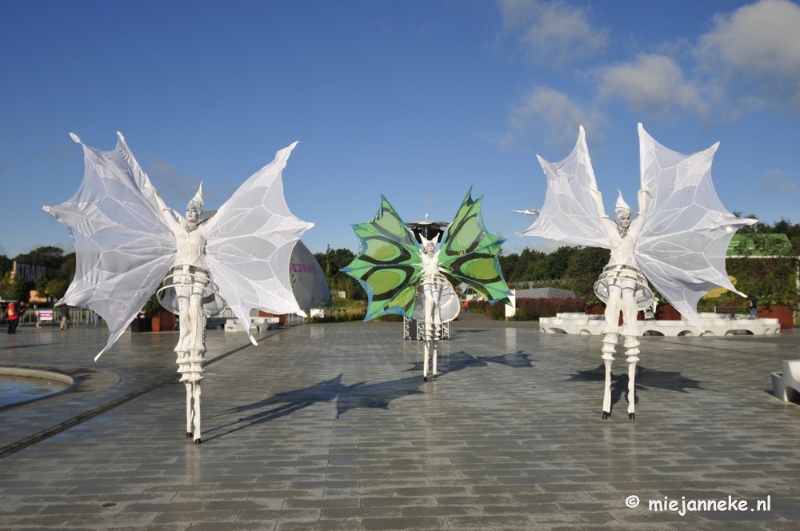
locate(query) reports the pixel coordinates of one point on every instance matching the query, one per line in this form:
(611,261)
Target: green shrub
(496,311)
(342,311)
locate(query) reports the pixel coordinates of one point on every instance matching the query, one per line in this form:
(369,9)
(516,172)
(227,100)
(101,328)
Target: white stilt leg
(435,355)
(189,410)
(425,354)
(197,417)
(632,351)
(197,360)
(629,315)
(609,348)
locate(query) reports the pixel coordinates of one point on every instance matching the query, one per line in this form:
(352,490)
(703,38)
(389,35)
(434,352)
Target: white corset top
(622,250)
(190,247)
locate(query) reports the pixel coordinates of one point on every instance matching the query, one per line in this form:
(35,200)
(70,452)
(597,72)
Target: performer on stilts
(431,284)
(400,273)
(190,282)
(128,242)
(678,242)
(623,287)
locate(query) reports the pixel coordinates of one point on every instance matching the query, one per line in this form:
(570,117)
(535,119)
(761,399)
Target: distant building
(308,280)
(545,293)
(28,272)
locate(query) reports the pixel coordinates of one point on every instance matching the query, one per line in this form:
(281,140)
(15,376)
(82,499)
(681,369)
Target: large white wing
(572,210)
(123,248)
(250,242)
(685,236)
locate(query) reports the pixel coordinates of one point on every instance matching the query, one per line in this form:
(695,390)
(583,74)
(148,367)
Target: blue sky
(416,100)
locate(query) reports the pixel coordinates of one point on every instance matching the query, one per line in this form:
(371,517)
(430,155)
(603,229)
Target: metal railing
(84,316)
(76,316)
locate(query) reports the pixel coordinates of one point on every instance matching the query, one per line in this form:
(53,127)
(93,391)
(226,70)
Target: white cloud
(757,43)
(749,59)
(553,114)
(552,32)
(777,182)
(653,84)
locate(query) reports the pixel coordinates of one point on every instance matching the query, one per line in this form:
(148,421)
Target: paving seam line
(15,447)
(711,347)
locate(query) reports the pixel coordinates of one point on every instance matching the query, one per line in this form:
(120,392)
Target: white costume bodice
(430,265)
(622,249)
(191,246)
(622,246)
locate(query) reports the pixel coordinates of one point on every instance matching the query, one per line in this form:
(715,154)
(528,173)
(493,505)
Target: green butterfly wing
(388,264)
(470,254)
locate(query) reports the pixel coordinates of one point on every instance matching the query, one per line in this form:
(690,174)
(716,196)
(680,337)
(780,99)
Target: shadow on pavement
(669,380)
(358,395)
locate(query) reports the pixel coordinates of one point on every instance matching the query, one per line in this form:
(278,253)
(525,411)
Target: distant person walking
(12,317)
(64,317)
(752,304)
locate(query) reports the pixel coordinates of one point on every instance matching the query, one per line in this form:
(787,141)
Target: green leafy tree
(47,256)
(5,264)
(332,261)
(771,280)
(12,288)
(60,270)
(508,264)
(54,288)
(558,262)
(584,268)
(518,268)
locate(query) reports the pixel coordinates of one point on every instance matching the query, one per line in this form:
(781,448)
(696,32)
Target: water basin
(15,389)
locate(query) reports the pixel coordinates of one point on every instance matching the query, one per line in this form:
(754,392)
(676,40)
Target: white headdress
(621,206)
(197,201)
(425,242)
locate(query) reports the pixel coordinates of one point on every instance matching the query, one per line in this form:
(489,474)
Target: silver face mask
(429,246)
(192,214)
(624,219)
(195,207)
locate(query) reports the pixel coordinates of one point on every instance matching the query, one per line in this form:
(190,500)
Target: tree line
(769,281)
(60,270)
(574,268)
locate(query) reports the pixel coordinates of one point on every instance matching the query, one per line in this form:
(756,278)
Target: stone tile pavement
(330,427)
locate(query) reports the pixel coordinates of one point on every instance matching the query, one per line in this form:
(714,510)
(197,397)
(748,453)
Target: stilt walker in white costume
(399,274)
(678,241)
(128,242)
(186,286)
(623,287)
(432,284)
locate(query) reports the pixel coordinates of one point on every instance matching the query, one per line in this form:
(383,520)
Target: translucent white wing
(122,246)
(250,242)
(573,206)
(685,236)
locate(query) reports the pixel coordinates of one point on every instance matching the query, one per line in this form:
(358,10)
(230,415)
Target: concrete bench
(786,384)
(259,323)
(714,325)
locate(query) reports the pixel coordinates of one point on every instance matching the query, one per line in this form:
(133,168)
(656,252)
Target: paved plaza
(331,427)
